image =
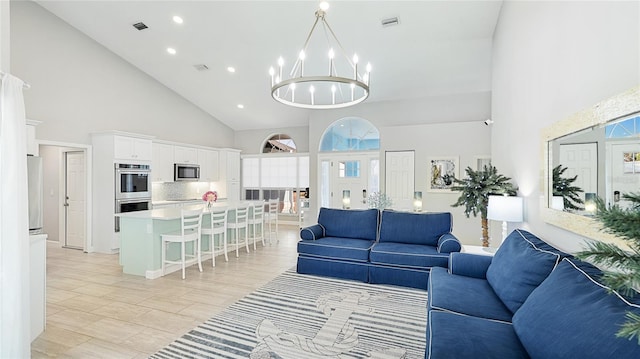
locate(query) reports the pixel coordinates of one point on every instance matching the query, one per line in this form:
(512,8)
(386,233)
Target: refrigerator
(34,178)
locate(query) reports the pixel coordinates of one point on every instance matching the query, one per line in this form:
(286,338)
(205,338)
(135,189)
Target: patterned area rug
(306,317)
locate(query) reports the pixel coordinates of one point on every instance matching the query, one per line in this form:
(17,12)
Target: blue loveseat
(377,246)
(528,301)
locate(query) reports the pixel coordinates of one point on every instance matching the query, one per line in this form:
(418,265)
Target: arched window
(350,134)
(279,143)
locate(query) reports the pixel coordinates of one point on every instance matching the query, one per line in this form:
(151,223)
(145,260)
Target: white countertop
(174,213)
(175,201)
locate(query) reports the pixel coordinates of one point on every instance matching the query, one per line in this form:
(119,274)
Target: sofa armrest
(312,232)
(448,243)
(469,265)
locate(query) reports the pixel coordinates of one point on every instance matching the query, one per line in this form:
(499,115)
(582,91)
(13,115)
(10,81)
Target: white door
(75,194)
(400,178)
(356,173)
(623,175)
(581,160)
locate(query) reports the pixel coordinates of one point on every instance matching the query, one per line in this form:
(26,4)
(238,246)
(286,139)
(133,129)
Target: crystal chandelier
(318,91)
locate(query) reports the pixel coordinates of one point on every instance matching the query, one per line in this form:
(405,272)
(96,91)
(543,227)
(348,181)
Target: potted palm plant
(624,265)
(475,190)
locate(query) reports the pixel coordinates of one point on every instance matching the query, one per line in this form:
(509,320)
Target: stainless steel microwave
(186,172)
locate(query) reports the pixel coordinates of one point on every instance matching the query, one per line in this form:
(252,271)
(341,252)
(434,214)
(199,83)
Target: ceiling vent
(391,21)
(140,26)
(201,67)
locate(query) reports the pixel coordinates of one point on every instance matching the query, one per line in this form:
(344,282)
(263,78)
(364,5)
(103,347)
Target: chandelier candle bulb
(271,73)
(355,68)
(280,64)
(353,89)
(312,90)
(333,94)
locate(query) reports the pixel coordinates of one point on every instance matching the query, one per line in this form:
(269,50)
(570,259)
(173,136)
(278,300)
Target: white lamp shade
(505,208)
(557,202)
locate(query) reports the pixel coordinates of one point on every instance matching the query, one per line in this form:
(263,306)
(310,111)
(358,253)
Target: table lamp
(505,209)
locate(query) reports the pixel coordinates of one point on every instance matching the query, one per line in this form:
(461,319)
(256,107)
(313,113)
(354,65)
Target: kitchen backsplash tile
(167,191)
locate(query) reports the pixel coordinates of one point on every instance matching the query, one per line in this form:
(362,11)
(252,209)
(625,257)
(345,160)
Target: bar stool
(271,217)
(218,226)
(237,224)
(257,220)
(191,221)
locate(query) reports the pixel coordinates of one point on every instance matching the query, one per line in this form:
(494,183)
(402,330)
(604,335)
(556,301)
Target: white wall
(78,87)
(396,122)
(550,60)
(463,139)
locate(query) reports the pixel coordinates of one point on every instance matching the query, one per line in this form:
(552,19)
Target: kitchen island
(141,231)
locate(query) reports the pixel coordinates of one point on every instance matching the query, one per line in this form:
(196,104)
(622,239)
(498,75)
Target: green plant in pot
(475,190)
(623,274)
(563,186)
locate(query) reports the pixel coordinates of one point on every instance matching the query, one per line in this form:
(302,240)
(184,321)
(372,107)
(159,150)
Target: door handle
(66,204)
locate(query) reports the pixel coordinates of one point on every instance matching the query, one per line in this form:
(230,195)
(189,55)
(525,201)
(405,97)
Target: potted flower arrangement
(210,197)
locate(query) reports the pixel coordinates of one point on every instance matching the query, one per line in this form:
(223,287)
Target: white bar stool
(271,217)
(257,220)
(217,226)
(237,224)
(191,221)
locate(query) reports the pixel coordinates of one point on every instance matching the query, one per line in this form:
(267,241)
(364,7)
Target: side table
(484,251)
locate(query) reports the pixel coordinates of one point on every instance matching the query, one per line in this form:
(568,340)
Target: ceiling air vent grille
(140,26)
(391,21)
(201,67)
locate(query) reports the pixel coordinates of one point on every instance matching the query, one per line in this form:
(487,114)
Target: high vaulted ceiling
(438,48)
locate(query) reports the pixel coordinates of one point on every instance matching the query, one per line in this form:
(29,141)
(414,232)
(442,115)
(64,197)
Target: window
(279,143)
(629,127)
(350,134)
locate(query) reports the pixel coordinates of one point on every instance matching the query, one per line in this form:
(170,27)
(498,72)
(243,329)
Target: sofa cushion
(521,263)
(407,255)
(572,315)
(414,228)
(349,223)
(336,248)
(465,295)
(453,335)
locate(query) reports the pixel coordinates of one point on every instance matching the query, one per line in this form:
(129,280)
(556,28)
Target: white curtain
(14,223)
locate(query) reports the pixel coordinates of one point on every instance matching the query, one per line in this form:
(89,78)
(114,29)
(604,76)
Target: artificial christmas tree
(624,265)
(564,187)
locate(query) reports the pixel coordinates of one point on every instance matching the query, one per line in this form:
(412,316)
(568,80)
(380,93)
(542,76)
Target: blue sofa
(528,301)
(374,246)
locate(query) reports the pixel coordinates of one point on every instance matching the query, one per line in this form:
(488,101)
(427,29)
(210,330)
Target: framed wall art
(442,171)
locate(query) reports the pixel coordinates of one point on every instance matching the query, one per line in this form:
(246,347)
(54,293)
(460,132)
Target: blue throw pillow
(521,263)
(572,315)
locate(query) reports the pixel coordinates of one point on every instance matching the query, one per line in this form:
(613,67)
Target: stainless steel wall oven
(132,181)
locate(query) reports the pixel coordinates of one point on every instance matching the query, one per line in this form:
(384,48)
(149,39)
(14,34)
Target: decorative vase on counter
(210,197)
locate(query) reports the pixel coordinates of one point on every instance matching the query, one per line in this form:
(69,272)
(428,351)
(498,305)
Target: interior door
(623,175)
(349,172)
(75,197)
(581,160)
(400,177)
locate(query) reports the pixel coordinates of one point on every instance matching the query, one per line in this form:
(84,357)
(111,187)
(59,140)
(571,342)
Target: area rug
(299,316)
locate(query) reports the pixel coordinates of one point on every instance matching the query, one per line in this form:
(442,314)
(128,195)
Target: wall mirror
(598,151)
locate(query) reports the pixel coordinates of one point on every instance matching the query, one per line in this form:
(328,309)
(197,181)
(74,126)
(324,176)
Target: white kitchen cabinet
(233,191)
(131,148)
(162,163)
(233,166)
(209,165)
(188,155)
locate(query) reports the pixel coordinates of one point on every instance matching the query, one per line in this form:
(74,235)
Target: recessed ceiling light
(231,69)
(171,50)
(240,106)
(177,19)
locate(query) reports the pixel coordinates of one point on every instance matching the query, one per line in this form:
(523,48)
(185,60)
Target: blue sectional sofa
(377,246)
(528,301)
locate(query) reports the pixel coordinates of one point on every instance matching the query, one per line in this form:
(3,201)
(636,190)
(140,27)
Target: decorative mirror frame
(610,109)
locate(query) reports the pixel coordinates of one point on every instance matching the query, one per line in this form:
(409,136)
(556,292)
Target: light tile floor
(96,311)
